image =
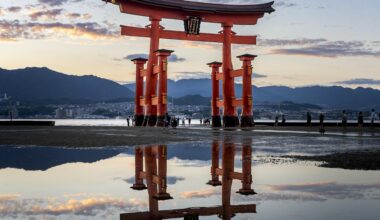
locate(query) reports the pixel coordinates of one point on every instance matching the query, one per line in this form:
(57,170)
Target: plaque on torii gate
(193,14)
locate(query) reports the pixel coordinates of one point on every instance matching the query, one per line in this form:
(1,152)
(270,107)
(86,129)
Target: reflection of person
(276,120)
(344,118)
(128,121)
(308,118)
(360,119)
(321,123)
(283,120)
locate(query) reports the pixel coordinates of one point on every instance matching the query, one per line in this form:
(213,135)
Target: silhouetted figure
(283,120)
(189,120)
(167,120)
(183,121)
(177,121)
(344,119)
(321,123)
(201,121)
(373,118)
(128,121)
(308,118)
(360,119)
(174,123)
(276,120)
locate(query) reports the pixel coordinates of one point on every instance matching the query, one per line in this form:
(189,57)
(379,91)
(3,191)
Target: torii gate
(192,13)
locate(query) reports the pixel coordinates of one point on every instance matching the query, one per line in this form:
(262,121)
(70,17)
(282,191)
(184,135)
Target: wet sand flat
(129,136)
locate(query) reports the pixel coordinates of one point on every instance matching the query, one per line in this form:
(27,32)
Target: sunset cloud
(205,193)
(48,14)
(362,81)
(173,58)
(56,2)
(320,48)
(15,30)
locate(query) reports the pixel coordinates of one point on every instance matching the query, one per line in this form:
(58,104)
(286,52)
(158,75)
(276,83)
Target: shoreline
(97,136)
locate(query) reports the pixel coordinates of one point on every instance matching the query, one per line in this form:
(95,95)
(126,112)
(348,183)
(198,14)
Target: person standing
(128,121)
(344,119)
(308,116)
(321,123)
(189,119)
(283,120)
(360,119)
(373,118)
(276,120)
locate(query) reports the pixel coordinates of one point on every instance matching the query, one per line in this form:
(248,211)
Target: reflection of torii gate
(192,13)
(156,182)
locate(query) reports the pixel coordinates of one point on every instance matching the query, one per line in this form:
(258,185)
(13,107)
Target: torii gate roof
(210,12)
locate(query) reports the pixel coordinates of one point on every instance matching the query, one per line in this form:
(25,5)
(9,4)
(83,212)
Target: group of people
(360,119)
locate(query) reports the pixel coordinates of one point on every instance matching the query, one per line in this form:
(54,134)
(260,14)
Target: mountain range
(48,86)
(42,85)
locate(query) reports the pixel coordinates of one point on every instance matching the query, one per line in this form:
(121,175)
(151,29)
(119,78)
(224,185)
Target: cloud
(56,2)
(73,15)
(192,75)
(257,75)
(330,190)
(173,58)
(14,9)
(289,42)
(323,48)
(15,30)
(362,81)
(48,14)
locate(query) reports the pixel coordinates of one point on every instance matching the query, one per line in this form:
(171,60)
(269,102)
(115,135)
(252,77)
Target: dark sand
(357,160)
(128,136)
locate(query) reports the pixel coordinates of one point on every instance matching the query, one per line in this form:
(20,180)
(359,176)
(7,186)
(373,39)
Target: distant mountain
(47,86)
(334,96)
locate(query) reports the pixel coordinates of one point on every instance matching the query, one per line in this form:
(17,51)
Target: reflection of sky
(100,190)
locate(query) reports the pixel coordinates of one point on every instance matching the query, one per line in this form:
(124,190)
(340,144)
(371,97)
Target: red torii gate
(192,13)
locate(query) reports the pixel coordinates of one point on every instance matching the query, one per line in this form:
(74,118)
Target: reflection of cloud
(191,163)
(56,2)
(330,189)
(205,193)
(92,206)
(171,180)
(279,197)
(4,198)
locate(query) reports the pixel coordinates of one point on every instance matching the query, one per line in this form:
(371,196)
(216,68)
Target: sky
(303,43)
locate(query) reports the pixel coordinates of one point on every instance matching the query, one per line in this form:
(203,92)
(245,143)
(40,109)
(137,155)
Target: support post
(162,85)
(247,168)
(247,114)
(139,91)
(139,168)
(215,112)
(151,78)
(230,118)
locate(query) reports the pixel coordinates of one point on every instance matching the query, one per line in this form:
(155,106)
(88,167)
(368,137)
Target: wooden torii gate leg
(139,91)
(162,86)
(215,111)
(230,118)
(151,78)
(247,115)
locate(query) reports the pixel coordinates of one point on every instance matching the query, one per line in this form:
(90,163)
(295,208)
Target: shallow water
(66,183)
